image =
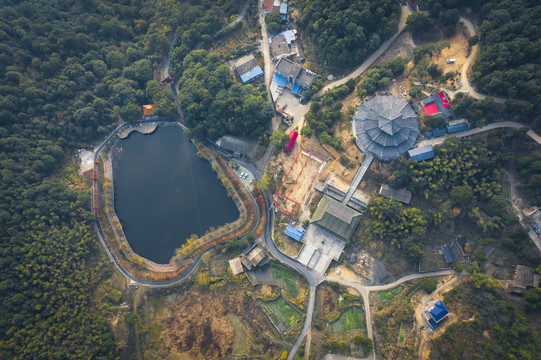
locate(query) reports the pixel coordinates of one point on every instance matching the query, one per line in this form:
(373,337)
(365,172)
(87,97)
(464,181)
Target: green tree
(279,139)
(274,23)
(418,22)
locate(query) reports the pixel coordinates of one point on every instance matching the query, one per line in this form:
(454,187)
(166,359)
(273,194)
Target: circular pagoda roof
(386,127)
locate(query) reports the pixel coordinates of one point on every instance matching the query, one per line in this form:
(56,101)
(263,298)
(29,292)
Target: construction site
(297,182)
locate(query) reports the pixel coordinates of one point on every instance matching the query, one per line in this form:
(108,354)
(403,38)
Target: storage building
(422,153)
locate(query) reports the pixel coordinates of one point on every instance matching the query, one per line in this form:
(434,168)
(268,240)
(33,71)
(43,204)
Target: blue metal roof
(439,132)
(280,80)
(293,235)
(457,127)
(439,311)
(283,9)
(433,323)
(295,89)
(252,74)
(422,153)
(448,254)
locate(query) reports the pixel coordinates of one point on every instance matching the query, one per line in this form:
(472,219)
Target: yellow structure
(148,110)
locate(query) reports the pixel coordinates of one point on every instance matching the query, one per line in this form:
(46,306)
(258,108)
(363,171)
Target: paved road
(265,49)
(496,125)
(404,12)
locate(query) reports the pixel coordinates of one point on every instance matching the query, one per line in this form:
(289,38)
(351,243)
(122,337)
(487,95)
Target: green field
(386,296)
(281,313)
(351,319)
(287,278)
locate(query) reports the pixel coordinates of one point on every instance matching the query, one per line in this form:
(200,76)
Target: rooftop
(236,266)
(336,218)
(289,67)
(524,278)
(244,64)
(385,126)
(437,104)
(439,312)
(237,145)
(448,254)
(402,195)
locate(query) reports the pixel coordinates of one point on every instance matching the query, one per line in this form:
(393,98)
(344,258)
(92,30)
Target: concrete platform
(320,249)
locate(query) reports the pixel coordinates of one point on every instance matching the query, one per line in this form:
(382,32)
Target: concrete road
(496,125)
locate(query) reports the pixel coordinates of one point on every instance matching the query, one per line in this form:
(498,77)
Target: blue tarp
(284,17)
(280,80)
(283,9)
(439,311)
(295,89)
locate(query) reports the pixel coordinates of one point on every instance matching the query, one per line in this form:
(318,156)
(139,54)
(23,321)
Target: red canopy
(292,137)
(431,109)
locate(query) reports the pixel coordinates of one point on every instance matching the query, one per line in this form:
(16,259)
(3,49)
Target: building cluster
(253,257)
(277,6)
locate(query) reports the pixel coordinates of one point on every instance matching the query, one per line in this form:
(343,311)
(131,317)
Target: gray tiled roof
(336,218)
(289,67)
(385,126)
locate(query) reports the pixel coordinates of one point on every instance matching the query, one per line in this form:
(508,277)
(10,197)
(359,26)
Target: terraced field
(351,319)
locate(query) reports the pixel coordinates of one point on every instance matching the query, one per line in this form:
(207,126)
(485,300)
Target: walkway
(145,129)
(358,177)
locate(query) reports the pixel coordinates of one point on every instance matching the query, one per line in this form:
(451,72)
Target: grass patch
(287,278)
(351,319)
(283,315)
(387,296)
(239,345)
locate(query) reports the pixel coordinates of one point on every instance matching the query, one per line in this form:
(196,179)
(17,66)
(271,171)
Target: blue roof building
(438,313)
(246,68)
(457,125)
(296,234)
(422,153)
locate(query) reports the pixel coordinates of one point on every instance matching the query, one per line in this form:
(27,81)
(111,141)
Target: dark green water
(164,193)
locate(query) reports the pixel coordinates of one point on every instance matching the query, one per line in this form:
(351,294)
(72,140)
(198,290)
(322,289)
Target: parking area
(245,176)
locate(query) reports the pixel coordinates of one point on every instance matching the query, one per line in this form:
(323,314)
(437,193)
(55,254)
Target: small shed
(236,266)
(296,234)
(448,254)
(292,138)
(148,110)
(422,153)
(402,195)
(524,279)
(457,125)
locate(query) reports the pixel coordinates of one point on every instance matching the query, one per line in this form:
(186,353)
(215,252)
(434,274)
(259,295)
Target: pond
(164,192)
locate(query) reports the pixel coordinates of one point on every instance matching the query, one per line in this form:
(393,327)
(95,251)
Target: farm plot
(281,314)
(297,182)
(287,278)
(351,319)
(388,296)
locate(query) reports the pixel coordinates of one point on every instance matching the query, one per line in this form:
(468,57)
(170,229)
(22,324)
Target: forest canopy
(215,104)
(347,31)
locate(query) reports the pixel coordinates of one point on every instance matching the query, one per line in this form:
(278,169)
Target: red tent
(292,138)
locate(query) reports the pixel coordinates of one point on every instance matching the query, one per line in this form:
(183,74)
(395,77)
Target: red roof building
(292,138)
